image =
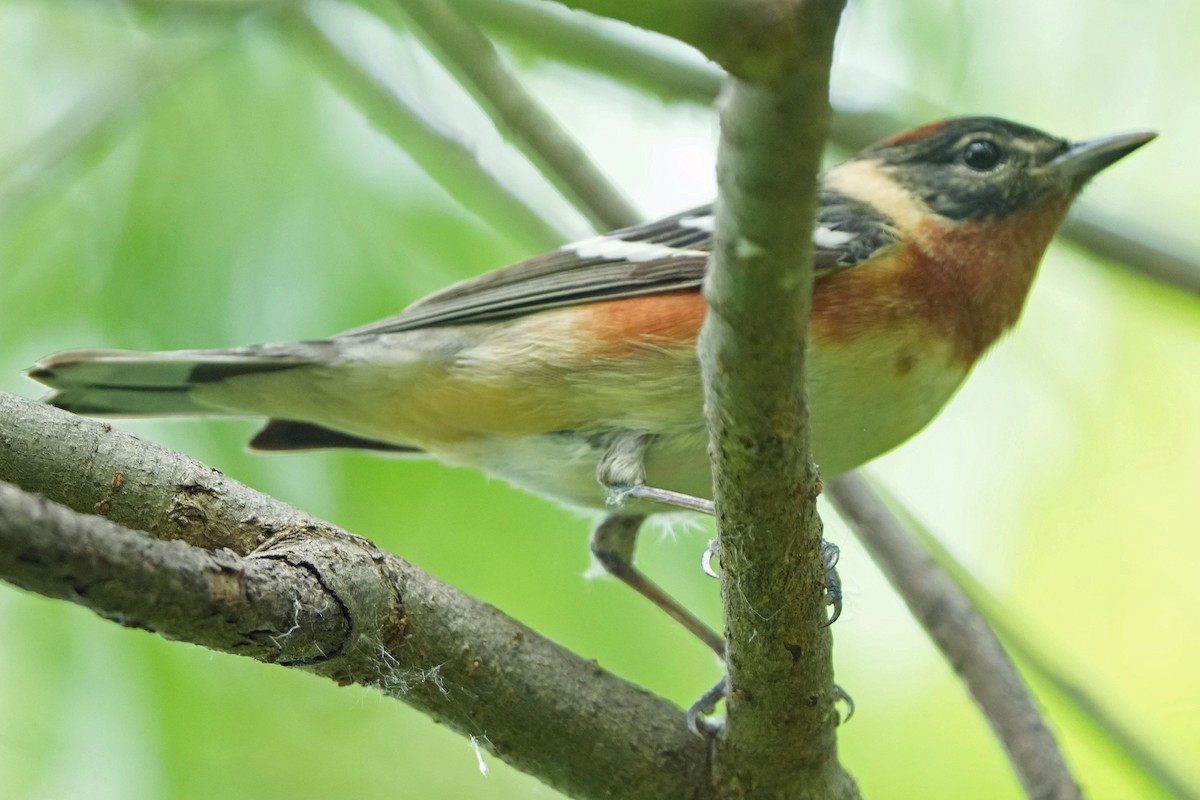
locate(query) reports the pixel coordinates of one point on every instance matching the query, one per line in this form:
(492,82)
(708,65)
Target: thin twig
(964,638)
(547,32)
(718,28)
(1141,755)
(474,61)
(1155,255)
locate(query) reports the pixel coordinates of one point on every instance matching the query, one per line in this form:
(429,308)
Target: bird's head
(975,200)
(984,168)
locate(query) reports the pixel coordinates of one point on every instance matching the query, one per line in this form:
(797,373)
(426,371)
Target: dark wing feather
(287,434)
(849,232)
(670,254)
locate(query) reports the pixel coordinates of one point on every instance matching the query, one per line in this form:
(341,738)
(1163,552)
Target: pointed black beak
(1084,159)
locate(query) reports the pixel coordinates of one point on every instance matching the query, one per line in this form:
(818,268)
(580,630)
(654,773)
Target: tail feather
(146,401)
(130,383)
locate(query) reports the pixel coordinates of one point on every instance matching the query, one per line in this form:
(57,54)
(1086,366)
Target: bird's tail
(130,383)
(242,381)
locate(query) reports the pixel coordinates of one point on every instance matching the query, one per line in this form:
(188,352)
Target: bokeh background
(184,174)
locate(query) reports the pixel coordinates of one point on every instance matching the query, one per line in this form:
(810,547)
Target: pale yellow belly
(539,417)
(866,397)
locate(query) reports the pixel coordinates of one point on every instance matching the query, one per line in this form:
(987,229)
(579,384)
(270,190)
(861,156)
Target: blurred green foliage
(175,177)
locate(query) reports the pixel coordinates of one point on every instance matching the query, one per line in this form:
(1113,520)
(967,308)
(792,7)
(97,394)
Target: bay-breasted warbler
(577,368)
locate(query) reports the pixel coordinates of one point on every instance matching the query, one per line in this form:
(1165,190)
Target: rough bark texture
(264,580)
(780,738)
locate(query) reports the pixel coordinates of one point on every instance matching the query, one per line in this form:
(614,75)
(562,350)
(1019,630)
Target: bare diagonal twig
(479,68)
(1147,758)
(449,162)
(963,636)
(563,37)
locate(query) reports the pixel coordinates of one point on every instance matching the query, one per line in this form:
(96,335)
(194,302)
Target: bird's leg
(833,584)
(698,721)
(666,497)
(612,545)
(622,472)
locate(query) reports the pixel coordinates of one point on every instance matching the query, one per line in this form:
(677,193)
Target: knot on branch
(358,580)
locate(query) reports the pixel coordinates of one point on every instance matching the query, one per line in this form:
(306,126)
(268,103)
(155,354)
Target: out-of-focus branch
(546,32)
(474,61)
(571,40)
(450,163)
(1126,246)
(717,28)
(964,638)
(90,129)
(1145,757)
(295,590)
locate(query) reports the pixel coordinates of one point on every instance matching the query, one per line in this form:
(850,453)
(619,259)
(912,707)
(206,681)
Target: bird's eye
(981,154)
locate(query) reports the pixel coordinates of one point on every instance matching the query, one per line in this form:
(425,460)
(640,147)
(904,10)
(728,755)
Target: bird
(574,373)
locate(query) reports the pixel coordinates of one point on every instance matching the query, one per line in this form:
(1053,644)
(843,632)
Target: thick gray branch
(265,607)
(963,636)
(292,589)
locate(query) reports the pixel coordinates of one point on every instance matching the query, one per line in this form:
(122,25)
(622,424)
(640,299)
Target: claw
(840,696)
(830,554)
(706,560)
(615,494)
(698,721)
(833,584)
